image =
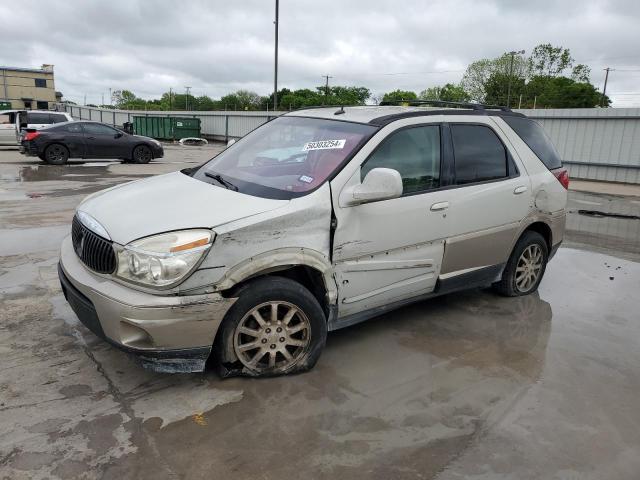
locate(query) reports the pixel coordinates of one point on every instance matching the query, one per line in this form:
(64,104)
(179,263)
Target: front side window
(286,157)
(98,129)
(479,154)
(414,153)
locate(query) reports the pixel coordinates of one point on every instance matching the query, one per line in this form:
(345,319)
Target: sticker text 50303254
(323,145)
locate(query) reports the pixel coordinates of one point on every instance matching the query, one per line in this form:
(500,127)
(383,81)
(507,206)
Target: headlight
(156,142)
(163,260)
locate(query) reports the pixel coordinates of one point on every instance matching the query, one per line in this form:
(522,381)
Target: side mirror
(118,135)
(231,142)
(379,184)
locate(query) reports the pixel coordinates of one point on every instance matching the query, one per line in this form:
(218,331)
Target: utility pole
(85,99)
(186,102)
(110,97)
(513,54)
(326,85)
(170,99)
(604,90)
(275,70)
(102,99)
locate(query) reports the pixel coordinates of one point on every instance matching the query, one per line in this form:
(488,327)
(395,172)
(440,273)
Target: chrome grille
(94,251)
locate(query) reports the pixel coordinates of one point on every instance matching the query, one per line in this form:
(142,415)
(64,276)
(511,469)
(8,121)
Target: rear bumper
(29,149)
(166,333)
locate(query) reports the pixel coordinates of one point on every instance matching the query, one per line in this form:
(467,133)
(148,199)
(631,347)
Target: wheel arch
(307,267)
(141,144)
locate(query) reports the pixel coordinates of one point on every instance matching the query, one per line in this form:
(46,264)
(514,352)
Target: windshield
(286,157)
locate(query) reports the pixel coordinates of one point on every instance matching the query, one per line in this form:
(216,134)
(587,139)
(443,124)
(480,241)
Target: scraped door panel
(388,251)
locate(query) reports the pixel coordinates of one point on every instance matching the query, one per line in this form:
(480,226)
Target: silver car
(317,220)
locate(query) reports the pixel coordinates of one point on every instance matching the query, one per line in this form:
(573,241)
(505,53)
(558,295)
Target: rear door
(73,137)
(391,250)
(102,141)
(492,197)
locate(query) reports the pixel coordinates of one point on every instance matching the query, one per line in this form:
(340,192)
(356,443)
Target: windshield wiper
(225,183)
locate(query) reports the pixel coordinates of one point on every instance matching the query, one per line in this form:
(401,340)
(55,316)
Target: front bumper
(158,151)
(166,333)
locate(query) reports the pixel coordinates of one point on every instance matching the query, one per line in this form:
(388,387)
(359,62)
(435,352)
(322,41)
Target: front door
(102,141)
(391,250)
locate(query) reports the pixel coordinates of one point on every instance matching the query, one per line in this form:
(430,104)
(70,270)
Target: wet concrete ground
(469,385)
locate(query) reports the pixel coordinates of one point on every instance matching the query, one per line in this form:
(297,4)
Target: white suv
(13,122)
(317,220)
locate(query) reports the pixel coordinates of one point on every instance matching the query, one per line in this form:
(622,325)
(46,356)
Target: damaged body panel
(310,224)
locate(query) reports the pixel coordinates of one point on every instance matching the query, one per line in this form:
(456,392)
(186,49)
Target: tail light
(31,136)
(563,177)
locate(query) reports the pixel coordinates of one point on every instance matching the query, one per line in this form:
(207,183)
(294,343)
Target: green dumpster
(166,128)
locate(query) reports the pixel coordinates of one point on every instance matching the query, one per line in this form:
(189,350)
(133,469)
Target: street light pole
(604,90)
(513,54)
(275,70)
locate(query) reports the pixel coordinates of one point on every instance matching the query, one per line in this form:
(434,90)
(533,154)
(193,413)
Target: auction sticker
(323,145)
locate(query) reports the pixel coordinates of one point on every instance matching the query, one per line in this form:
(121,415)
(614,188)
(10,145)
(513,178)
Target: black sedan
(56,143)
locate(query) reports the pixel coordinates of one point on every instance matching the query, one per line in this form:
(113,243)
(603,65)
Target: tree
(477,76)
(563,92)
(497,88)
(448,93)
(399,95)
(549,61)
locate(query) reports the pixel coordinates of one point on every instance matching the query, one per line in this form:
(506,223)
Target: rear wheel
(142,154)
(275,327)
(526,266)
(56,154)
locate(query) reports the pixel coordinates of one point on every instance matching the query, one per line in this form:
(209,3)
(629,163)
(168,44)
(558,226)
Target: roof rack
(443,103)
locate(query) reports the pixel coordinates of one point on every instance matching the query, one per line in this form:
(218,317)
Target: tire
(287,343)
(56,154)
(141,154)
(522,274)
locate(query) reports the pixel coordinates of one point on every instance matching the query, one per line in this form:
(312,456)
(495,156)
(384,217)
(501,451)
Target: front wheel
(56,154)
(275,327)
(526,266)
(142,154)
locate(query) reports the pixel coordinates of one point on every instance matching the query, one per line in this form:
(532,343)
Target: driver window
(414,152)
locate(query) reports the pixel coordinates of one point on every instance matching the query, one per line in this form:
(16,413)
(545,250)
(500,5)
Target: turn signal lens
(188,246)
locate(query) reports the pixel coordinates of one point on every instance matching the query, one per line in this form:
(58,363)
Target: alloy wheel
(529,267)
(273,336)
(55,153)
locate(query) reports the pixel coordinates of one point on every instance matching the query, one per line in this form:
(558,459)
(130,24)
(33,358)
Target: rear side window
(479,154)
(38,118)
(72,127)
(58,118)
(536,139)
(414,153)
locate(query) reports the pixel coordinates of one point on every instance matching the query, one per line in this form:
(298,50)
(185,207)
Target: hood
(168,202)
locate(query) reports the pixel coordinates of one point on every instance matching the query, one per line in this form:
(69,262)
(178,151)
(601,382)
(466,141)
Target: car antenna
(341,111)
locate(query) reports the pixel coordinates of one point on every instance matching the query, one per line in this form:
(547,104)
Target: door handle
(91,138)
(519,190)
(439,206)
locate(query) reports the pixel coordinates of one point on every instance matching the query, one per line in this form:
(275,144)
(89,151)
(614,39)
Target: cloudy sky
(220,46)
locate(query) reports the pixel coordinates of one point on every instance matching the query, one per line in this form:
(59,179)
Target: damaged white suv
(317,220)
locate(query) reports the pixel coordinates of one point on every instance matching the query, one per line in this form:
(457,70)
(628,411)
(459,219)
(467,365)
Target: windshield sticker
(305,179)
(323,145)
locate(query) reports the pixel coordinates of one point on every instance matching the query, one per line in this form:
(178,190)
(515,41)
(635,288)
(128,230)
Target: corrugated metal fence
(594,143)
